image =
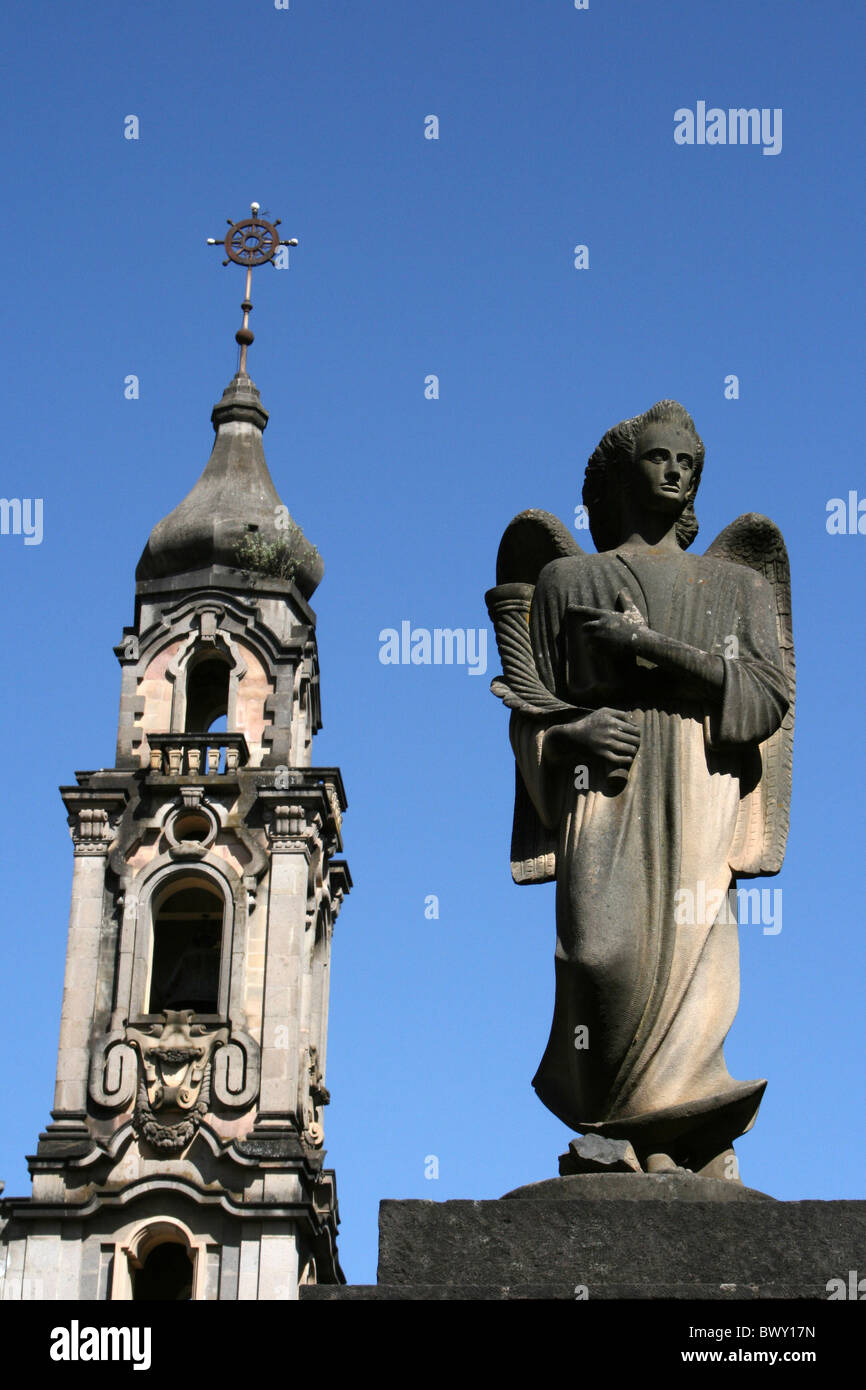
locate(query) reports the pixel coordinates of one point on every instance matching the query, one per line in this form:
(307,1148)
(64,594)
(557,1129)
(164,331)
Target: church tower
(184,1158)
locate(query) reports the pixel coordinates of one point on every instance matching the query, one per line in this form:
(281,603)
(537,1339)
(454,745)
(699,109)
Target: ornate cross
(249,243)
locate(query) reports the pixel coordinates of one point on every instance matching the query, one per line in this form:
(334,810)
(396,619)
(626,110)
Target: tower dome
(233,517)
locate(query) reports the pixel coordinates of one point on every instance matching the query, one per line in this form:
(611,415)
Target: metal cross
(250,243)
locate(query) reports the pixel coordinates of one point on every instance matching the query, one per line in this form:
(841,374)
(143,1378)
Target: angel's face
(661,480)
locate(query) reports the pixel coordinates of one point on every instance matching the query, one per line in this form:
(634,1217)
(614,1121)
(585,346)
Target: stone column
(91,840)
(278,1267)
(319,1019)
(284,951)
(129,736)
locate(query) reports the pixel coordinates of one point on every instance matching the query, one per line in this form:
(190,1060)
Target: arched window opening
(207,694)
(187,942)
(164,1276)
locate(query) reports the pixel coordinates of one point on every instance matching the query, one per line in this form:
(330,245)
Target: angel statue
(651,695)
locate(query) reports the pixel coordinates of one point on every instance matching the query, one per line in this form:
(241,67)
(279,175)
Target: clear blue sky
(455,257)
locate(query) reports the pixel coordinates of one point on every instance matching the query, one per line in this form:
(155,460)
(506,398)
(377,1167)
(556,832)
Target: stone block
(594,1153)
(614,1236)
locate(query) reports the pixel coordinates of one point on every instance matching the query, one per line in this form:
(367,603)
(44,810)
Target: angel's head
(658,455)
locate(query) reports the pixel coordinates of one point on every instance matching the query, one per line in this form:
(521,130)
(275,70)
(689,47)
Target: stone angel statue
(652,696)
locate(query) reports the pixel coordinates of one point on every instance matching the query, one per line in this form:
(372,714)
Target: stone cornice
(216,577)
(308,1210)
(93,815)
(312,798)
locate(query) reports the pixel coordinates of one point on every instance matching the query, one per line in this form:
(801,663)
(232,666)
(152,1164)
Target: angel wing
(756,541)
(529,542)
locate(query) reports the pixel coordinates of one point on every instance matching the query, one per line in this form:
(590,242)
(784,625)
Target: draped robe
(656,997)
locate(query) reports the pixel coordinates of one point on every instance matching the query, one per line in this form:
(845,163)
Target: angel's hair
(603,480)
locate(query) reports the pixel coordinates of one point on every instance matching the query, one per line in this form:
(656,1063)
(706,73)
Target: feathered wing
(756,541)
(529,542)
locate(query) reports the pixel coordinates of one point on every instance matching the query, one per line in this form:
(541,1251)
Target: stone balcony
(197,755)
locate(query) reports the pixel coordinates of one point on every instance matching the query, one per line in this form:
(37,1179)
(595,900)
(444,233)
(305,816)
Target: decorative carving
(169,1138)
(208,623)
(236,1071)
(113,1070)
(287,827)
(91,831)
(146,1062)
(192,827)
(174,1077)
(318,1096)
(196,755)
(319,1093)
(334,804)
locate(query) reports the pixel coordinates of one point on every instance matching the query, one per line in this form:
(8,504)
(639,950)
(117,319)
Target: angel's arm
(747,695)
(756,692)
(703,669)
(573,734)
(626,631)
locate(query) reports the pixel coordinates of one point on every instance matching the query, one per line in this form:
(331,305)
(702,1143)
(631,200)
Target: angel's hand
(622,631)
(608,734)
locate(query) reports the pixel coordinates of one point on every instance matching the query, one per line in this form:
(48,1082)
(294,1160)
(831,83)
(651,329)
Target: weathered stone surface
(651,702)
(234,499)
(593,1153)
(561,1292)
(514,1248)
(637,1187)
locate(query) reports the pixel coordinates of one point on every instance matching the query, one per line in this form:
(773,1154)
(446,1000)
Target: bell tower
(184,1158)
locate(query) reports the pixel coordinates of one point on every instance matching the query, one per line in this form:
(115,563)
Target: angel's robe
(644,1000)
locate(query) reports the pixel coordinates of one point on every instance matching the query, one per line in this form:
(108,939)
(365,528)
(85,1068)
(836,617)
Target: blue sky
(451,257)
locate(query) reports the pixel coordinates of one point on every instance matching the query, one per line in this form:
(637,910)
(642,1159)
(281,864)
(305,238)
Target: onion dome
(233,516)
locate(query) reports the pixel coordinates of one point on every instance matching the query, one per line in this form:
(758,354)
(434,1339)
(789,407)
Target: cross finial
(249,243)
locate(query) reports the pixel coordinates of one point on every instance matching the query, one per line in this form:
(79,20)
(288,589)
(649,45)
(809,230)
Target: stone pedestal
(614,1236)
